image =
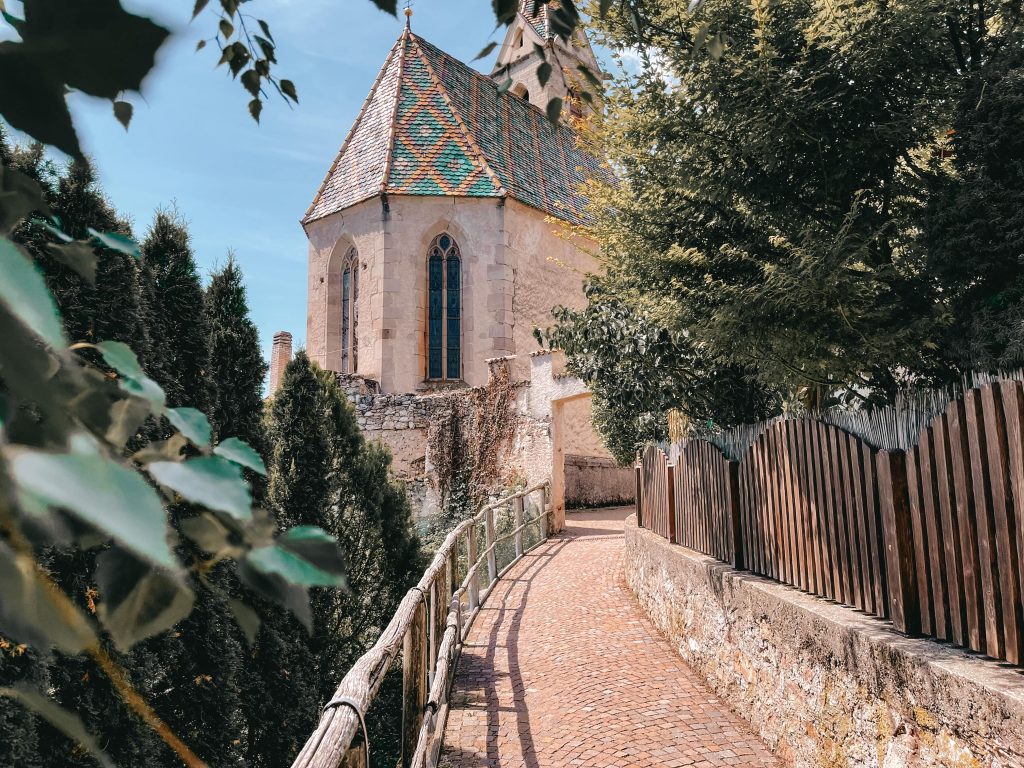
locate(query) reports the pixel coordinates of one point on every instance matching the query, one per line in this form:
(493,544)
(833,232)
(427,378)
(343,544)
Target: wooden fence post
(474,582)
(492,561)
(739,559)
(414,682)
(894,501)
(639,479)
(671,489)
(517,512)
(547,521)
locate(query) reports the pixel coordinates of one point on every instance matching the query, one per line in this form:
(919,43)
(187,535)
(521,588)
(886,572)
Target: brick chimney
(280,356)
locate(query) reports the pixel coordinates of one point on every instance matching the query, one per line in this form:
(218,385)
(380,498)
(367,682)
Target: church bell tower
(518,60)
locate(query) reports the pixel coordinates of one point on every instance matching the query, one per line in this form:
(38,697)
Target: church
(430,245)
(439,237)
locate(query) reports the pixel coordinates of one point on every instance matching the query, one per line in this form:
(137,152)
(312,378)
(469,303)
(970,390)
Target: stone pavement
(561,669)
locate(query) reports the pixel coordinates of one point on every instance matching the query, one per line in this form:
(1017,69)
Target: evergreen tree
(178,329)
(237,368)
(284,671)
(974,225)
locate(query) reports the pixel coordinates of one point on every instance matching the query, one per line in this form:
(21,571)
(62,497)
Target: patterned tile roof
(434,126)
(537,14)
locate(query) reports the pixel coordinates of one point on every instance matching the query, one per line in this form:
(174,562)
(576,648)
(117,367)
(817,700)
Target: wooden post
(894,501)
(435,610)
(639,480)
(453,570)
(547,523)
(517,513)
(492,561)
(671,487)
(474,582)
(414,682)
(739,559)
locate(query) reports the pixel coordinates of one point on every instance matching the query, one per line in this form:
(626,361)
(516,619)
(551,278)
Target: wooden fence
(931,537)
(428,630)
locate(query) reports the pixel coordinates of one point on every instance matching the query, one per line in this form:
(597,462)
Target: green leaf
(23,290)
(115,241)
(77,256)
(486,51)
(505,10)
(64,721)
(147,389)
(208,532)
(200,45)
(27,613)
(121,358)
(388,6)
(103,493)
(604,7)
(544,73)
(20,195)
(266,29)
(198,7)
(211,481)
(288,89)
(251,83)
(227,29)
(271,586)
(554,110)
(192,423)
(136,600)
(123,111)
(32,99)
(248,620)
(255,108)
(278,561)
(241,453)
(316,546)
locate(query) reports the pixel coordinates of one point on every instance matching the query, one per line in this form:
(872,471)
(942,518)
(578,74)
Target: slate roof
(434,126)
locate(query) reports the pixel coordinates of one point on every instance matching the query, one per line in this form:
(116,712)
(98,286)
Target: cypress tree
(284,667)
(237,368)
(178,330)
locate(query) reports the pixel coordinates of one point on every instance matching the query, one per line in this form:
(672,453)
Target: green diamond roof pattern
(434,126)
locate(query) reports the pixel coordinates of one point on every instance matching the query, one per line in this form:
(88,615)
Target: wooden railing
(428,629)
(931,537)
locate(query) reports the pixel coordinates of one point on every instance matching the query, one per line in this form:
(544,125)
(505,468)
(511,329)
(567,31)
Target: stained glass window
(349,311)
(444,310)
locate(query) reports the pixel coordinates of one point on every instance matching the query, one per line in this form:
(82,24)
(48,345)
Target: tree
(974,225)
(773,161)
(236,368)
(178,330)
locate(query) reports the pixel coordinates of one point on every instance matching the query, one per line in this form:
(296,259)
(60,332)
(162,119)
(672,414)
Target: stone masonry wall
(597,481)
(823,685)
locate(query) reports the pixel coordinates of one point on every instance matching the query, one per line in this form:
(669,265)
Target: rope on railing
(431,640)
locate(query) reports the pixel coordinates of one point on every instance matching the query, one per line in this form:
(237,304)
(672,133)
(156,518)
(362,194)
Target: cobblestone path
(561,669)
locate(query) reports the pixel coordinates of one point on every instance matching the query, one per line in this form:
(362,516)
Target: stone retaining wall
(824,685)
(596,481)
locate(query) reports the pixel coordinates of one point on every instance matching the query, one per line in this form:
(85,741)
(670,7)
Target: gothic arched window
(349,311)
(444,309)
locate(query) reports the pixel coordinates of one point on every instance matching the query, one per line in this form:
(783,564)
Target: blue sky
(244,186)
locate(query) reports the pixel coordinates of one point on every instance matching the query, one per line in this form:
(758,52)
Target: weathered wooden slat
(670,473)
(951,549)
(788,504)
(933,530)
(879,577)
(963,488)
(904,607)
(638,495)
(840,514)
(922,563)
(1013,406)
(985,524)
(816,466)
(1005,519)
(860,516)
(814,508)
(763,512)
(737,555)
(852,528)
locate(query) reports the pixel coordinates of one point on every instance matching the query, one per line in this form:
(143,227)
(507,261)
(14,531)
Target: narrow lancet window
(444,309)
(349,312)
